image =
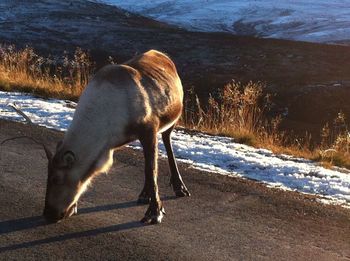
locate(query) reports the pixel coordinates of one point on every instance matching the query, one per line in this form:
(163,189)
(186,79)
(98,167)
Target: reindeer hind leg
(176,181)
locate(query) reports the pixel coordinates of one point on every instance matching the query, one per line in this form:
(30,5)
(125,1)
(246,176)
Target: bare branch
(28,120)
(20,112)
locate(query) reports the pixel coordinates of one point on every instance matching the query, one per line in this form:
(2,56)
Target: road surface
(224,219)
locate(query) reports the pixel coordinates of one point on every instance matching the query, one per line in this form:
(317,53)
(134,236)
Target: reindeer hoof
(155,218)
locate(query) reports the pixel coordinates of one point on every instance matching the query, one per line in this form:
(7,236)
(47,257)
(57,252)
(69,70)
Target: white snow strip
(54,114)
(210,153)
(305,20)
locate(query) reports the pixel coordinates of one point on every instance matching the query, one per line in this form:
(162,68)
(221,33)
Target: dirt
(226,218)
(311,80)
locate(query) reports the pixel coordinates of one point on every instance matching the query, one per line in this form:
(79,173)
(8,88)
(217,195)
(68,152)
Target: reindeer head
(68,177)
(63,187)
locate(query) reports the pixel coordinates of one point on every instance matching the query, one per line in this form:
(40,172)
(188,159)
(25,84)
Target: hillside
(317,21)
(307,78)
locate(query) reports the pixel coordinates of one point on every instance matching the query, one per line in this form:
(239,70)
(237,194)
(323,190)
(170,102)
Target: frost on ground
(210,153)
(304,20)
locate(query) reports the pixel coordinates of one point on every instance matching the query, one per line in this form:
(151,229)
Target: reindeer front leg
(149,141)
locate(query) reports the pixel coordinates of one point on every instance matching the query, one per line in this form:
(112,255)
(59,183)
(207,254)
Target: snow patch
(304,20)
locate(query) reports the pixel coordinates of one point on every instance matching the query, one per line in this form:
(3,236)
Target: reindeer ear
(68,159)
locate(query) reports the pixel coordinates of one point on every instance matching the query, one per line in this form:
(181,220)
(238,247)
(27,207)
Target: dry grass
(335,144)
(24,70)
(239,111)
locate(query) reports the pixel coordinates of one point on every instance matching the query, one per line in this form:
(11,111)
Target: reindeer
(122,103)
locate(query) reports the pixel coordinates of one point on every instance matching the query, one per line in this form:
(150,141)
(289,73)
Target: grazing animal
(122,103)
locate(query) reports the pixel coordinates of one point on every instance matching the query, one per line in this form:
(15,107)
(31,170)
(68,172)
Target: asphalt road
(225,219)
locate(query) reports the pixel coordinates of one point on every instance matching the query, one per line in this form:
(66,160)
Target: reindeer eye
(56,180)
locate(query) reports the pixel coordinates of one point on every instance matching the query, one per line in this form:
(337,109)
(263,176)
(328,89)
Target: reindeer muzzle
(53,215)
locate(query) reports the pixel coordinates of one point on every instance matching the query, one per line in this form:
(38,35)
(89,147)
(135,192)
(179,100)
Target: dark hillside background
(311,80)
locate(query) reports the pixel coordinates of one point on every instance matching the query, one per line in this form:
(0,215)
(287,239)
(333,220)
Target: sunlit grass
(24,70)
